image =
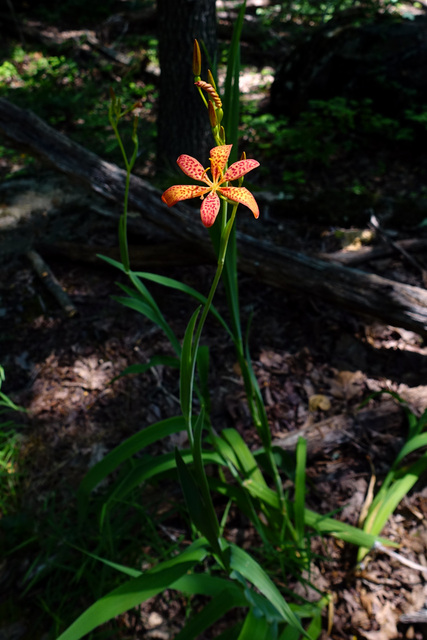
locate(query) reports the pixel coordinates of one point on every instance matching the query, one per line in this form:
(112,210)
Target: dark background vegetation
(335,109)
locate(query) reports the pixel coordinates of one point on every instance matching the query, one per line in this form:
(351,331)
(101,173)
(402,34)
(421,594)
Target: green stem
(123,239)
(225,235)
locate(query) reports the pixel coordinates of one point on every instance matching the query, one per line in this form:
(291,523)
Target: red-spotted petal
(242,195)
(219,158)
(191,167)
(209,209)
(239,169)
(182,192)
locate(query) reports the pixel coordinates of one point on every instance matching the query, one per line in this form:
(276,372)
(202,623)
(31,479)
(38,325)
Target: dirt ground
(315,365)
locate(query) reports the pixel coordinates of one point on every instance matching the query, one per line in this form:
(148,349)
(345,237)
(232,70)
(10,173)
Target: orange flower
(211,203)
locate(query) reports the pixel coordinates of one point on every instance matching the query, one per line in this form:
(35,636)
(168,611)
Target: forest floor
(315,363)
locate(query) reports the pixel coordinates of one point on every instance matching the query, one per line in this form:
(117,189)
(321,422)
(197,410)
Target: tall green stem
(225,235)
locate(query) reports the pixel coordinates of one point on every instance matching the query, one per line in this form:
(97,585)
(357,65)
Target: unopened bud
(212,114)
(211,79)
(197,60)
(206,86)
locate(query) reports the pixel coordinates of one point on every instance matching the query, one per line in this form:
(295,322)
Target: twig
(374,223)
(400,558)
(51,283)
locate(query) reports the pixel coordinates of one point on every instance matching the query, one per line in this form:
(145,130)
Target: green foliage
(71,12)
(67,92)
(326,132)
(10,441)
(405,471)
(315,12)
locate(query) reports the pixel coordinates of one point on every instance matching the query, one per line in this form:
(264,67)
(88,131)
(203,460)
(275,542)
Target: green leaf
(147,469)
(167,361)
(123,452)
(417,442)
(199,511)
(112,262)
(179,286)
(300,476)
(134,592)
(257,627)
(137,302)
(232,91)
(213,611)
(203,371)
(377,518)
(247,464)
(244,564)
(187,368)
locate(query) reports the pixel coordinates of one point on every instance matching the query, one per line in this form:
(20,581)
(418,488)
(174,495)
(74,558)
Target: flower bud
(211,79)
(206,86)
(197,60)
(212,114)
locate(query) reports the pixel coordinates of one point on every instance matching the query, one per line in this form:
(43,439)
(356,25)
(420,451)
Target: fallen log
(369,423)
(392,302)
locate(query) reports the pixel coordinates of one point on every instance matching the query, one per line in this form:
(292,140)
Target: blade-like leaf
(125,450)
(166,361)
(248,465)
(199,512)
(152,468)
(203,371)
(417,442)
(213,611)
(179,286)
(187,368)
(300,476)
(134,592)
(257,627)
(244,564)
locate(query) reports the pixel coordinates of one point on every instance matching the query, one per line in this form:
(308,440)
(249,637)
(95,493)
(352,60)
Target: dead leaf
(319,402)
(386,619)
(347,385)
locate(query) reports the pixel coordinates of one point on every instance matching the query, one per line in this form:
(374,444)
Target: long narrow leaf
(245,565)
(124,451)
(300,475)
(219,605)
(187,367)
(256,627)
(153,468)
(232,90)
(200,473)
(248,465)
(134,592)
(184,288)
(196,506)
(417,442)
(167,361)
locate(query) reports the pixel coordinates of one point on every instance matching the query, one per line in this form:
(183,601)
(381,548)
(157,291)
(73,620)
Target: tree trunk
(183,123)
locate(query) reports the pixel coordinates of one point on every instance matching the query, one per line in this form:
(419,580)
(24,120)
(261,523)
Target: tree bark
(392,302)
(183,123)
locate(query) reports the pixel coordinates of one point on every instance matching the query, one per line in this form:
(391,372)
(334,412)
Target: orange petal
(209,209)
(242,195)
(191,167)
(239,169)
(219,158)
(182,192)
